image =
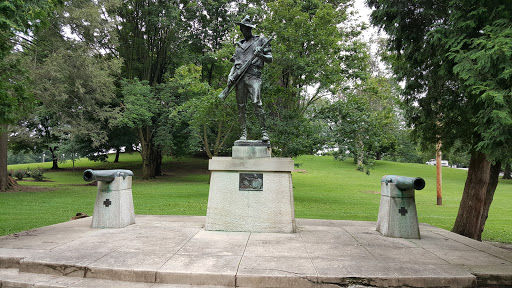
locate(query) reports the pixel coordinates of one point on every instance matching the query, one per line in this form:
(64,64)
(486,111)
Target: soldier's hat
(246,22)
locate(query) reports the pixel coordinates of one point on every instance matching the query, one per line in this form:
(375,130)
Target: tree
(364,121)
(72,81)
(314,49)
(455,60)
(407,150)
(361,129)
(74,90)
(150,33)
(211,35)
(316,53)
(140,112)
(15,100)
(212,121)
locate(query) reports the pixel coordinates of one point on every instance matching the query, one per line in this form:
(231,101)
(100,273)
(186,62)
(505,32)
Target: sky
(364,15)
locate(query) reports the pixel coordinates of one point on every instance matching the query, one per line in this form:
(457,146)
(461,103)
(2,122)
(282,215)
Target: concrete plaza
(176,252)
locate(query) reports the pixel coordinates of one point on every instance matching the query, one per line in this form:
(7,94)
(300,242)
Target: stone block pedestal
(397,213)
(251,194)
(114,204)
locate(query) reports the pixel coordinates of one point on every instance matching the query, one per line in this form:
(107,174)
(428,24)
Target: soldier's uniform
(249,86)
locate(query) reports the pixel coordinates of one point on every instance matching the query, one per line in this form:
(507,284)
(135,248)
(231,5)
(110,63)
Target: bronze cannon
(105,175)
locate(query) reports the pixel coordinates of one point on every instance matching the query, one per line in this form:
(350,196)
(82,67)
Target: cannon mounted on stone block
(397,211)
(404,183)
(114,201)
(105,175)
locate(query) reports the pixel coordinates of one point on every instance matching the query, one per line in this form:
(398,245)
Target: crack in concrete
(348,282)
(361,282)
(488,281)
(62,269)
(240,262)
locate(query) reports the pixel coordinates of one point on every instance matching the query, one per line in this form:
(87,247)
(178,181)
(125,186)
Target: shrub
(37,174)
(9,172)
(19,174)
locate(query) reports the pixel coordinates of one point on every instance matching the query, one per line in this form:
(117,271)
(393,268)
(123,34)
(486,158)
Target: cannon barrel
(105,175)
(404,183)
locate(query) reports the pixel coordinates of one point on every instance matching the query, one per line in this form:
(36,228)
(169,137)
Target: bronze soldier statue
(250,55)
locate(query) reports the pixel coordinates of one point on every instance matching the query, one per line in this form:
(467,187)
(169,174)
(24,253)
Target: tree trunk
(3,158)
(118,151)
(11,183)
(477,197)
(489,193)
(508,171)
(147,153)
(157,159)
(360,156)
(205,143)
(55,159)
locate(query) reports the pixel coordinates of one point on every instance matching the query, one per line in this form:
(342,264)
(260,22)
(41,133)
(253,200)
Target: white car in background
(444,163)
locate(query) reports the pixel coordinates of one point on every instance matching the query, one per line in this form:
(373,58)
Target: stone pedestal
(397,213)
(251,192)
(114,204)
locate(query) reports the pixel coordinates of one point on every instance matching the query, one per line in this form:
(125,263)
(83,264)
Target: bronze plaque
(251,182)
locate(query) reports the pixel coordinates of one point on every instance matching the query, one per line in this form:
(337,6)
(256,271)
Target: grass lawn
(323,188)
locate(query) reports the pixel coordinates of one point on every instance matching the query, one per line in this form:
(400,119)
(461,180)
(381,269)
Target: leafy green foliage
(364,124)
(211,120)
(140,103)
(17,16)
(74,92)
(37,174)
(454,57)
(19,174)
(296,134)
(15,97)
(311,49)
(483,63)
(149,36)
(353,129)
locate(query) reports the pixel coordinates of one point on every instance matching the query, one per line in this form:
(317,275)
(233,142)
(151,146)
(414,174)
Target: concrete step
(12,278)
(176,251)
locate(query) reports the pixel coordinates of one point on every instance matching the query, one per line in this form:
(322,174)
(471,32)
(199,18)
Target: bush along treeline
(19,174)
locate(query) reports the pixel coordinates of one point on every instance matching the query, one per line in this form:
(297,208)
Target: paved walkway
(175,251)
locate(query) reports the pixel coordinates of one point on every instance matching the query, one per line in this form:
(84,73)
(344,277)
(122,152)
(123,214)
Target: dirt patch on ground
(24,188)
(93,183)
(301,171)
(26,180)
(370,192)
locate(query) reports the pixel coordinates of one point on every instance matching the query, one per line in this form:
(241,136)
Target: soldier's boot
(261,118)
(264,135)
(243,135)
(242,118)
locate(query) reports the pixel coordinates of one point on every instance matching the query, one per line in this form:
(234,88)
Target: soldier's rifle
(239,73)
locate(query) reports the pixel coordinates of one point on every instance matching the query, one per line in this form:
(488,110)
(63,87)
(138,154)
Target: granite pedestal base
(114,204)
(397,213)
(251,194)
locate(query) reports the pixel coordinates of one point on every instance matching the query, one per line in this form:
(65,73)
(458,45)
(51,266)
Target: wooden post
(439,173)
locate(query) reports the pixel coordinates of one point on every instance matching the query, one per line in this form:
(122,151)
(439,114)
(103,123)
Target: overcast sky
(364,15)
